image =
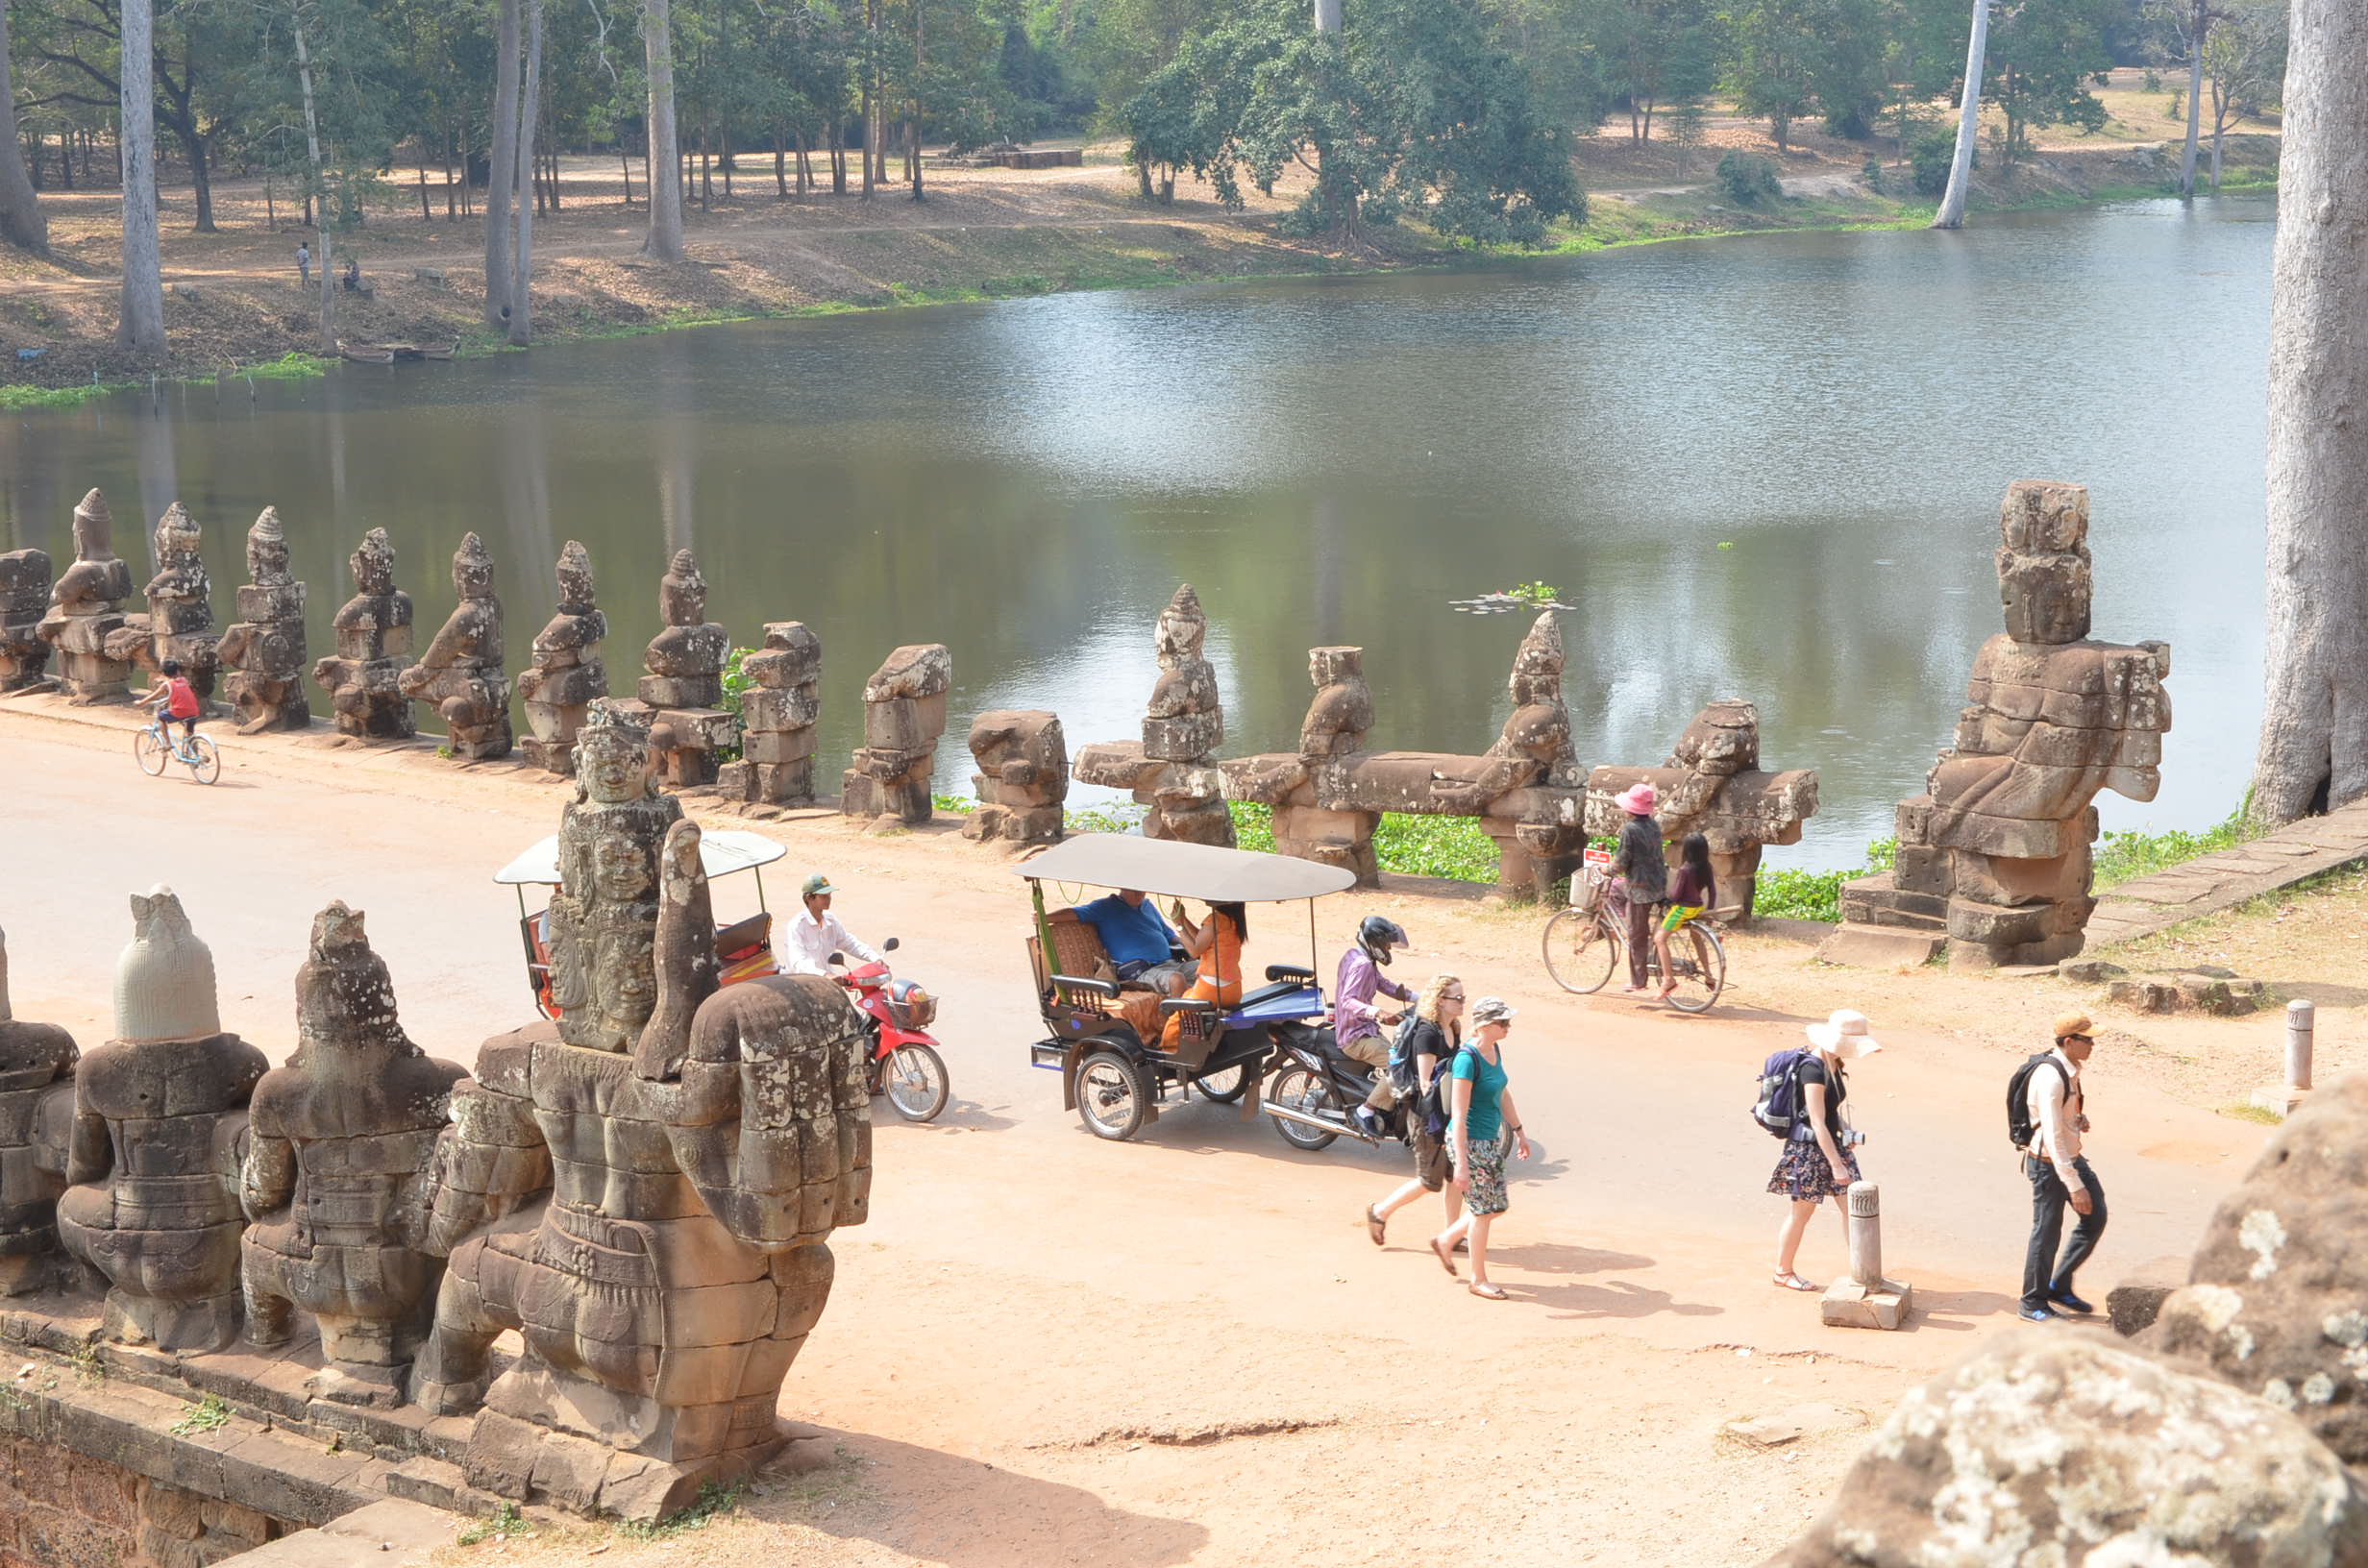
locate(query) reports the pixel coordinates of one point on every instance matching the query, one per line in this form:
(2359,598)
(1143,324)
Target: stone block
(779,745)
(905,724)
(1879,947)
(795,708)
(682,691)
(1850,1304)
(1794,1422)
(1995,925)
(1922,868)
(1185,738)
(501,1453)
(1873,901)
(271,601)
(2134,1304)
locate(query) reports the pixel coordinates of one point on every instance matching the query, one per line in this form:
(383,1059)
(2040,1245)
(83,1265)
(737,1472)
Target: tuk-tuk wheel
(1226,1085)
(1113,1095)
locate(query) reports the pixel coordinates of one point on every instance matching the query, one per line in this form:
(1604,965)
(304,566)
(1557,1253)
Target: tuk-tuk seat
(743,938)
(1067,990)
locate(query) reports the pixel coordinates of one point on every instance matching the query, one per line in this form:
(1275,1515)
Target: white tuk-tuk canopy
(1174,869)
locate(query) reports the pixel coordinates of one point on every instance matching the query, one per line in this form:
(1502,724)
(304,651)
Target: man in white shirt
(2060,1175)
(811,938)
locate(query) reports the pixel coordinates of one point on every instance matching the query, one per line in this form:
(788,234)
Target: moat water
(1767,467)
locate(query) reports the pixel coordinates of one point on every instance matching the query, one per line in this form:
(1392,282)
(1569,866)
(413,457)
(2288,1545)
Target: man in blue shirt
(1141,948)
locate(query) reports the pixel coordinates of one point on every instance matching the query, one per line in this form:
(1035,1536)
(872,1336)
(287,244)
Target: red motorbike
(905,1064)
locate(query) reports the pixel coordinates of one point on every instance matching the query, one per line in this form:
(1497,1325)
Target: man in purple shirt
(1356,1021)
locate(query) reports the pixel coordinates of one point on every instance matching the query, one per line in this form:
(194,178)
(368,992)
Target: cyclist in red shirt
(178,700)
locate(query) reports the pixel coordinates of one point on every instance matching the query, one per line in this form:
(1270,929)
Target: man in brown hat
(2055,1103)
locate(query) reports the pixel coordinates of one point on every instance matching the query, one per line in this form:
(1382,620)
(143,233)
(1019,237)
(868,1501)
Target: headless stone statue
(654,1224)
(36,1121)
(606,908)
(565,674)
(263,651)
(461,671)
(337,1155)
(904,716)
(778,715)
(1022,777)
(86,608)
(374,638)
(159,1114)
(24,598)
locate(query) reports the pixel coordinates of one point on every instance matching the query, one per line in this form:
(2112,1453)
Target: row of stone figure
(643,1189)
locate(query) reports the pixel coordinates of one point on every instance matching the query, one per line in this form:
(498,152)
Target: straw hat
(1639,800)
(1845,1034)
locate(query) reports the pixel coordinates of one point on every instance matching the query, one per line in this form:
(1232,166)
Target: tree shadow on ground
(937,1507)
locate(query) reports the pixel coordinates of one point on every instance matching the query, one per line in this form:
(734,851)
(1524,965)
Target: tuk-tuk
(743,949)
(1114,1078)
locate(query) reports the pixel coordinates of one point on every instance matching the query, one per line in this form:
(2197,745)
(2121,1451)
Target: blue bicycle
(155,747)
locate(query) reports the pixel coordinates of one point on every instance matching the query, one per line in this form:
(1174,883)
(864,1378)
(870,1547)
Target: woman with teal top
(1482,1117)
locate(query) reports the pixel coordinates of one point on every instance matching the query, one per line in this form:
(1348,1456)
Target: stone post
(2301,1026)
(1866,1300)
(374,638)
(1173,769)
(1022,777)
(904,714)
(778,715)
(24,595)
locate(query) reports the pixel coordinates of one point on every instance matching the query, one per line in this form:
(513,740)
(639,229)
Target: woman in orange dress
(1218,945)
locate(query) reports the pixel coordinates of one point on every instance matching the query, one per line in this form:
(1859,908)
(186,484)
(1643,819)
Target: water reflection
(1765,468)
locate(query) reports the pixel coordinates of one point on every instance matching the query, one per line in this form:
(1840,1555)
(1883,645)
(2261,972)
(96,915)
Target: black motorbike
(1314,1091)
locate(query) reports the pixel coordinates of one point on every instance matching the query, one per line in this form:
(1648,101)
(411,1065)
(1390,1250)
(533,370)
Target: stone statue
(337,1152)
(1995,856)
(684,687)
(263,651)
(1022,777)
(24,598)
(86,608)
(1306,788)
(179,624)
(159,1114)
(1173,769)
(904,714)
(777,716)
(461,670)
(565,676)
(654,1221)
(374,638)
(601,916)
(37,1122)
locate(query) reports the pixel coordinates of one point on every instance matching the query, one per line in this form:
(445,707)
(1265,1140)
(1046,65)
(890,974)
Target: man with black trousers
(2060,1175)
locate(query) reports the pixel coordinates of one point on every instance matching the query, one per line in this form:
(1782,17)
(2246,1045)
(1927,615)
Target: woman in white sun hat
(1818,1163)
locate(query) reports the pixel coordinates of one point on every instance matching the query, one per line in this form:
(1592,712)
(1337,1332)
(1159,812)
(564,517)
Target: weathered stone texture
(374,642)
(262,652)
(24,599)
(1022,777)
(904,714)
(462,672)
(179,624)
(777,716)
(605,912)
(86,609)
(36,1121)
(1712,784)
(565,674)
(683,691)
(1172,768)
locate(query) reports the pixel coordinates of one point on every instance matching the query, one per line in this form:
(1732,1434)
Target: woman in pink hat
(1644,876)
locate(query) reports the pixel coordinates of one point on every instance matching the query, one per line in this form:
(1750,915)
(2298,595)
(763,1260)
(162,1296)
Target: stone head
(624,970)
(576,594)
(178,536)
(1538,664)
(472,569)
(612,757)
(682,593)
(345,1000)
(2044,584)
(1331,666)
(94,530)
(24,581)
(1182,628)
(165,986)
(374,564)
(267,554)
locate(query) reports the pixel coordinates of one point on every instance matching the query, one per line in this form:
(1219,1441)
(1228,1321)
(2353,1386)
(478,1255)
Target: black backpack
(2019,1130)
(1779,1105)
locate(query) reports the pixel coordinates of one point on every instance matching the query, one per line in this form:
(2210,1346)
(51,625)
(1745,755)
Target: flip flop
(1793,1282)
(1485,1291)
(1375,1226)
(1446,1259)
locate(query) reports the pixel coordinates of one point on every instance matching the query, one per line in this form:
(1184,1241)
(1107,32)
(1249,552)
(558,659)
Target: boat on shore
(387,354)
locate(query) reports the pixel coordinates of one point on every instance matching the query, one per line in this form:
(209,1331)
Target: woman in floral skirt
(1818,1163)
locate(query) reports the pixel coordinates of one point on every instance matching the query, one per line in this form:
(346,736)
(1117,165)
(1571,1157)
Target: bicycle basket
(1588,888)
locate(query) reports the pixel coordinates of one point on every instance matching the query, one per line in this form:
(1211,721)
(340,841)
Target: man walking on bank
(2053,1106)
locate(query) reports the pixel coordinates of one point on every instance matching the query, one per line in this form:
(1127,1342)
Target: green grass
(1816,896)
(713,1504)
(506,1523)
(2125,857)
(207,1414)
(2246,1110)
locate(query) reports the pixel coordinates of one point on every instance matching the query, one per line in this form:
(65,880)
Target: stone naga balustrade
(1712,785)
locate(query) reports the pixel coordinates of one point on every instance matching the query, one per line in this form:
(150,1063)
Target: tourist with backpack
(1426,1042)
(2045,1118)
(1482,1119)
(1803,1091)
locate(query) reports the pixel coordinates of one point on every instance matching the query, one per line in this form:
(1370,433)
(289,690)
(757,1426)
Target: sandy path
(1024,1288)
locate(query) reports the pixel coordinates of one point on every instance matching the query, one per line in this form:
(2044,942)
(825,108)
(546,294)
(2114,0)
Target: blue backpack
(1779,1106)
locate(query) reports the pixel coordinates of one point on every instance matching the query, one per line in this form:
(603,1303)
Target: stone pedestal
(1866,1300)
(904,714)
(1022,777)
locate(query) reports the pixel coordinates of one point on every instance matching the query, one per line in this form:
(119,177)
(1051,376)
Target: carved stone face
(1330,666)
(374,564)
(682,592)
(619,873)
(472,571)
(609,764)
(1179,637)
(178,536)
(623,974)
(94,530)
(267,554)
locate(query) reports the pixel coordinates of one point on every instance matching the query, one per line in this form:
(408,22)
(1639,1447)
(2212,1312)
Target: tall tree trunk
(780,162)
(2200,23)
(838,156)
(141,328)
(625,163)
(323,249)
(1336,197)
(1952,213)
(2216,130)
(2314,724)
(22,223)
(501,179)
(522,256)
(870,125)
(665,236)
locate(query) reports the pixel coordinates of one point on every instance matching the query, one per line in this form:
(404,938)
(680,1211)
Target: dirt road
(1048,1348)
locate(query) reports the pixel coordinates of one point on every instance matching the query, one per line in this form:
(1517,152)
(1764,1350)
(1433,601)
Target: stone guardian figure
(24,599)
(86,608)
(565,674)
(263,651)
(373,637)
(461,671)
(605,909)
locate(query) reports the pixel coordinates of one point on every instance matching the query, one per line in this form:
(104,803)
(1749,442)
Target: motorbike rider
(811,938)
(1357,1020)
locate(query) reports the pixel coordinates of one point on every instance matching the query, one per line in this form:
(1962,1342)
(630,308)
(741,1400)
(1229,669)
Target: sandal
(1446,1259)
(1485,1291)
(1375,1226)
(1793,1282)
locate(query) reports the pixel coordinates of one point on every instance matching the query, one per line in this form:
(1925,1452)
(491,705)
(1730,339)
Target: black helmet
(1378,935)
(171,667)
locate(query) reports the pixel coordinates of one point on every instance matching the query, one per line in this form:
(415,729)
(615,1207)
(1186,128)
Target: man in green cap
(815,935)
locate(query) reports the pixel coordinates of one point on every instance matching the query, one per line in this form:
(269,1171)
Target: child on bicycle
(1691,891)
(178,699)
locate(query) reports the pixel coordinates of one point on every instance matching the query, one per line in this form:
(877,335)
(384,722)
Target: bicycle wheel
(1699,960)
(205,760)
(149,750)
(1580,950)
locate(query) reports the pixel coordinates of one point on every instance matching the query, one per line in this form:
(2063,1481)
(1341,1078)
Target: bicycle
(154,747)
(1584,945)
